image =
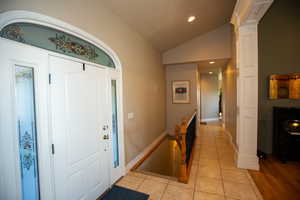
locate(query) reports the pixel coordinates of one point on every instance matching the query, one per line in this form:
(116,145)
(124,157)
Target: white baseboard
(210,119)
(144,152)
(231,141)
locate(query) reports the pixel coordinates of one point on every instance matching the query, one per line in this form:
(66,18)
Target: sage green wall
(279,51)
(143,73)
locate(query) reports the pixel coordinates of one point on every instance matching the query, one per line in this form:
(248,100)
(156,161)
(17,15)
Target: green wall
(279,53)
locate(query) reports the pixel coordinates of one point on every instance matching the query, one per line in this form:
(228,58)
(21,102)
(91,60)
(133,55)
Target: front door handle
(105,137)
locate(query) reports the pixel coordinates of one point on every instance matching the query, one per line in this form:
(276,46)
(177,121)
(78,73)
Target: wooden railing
(185,136)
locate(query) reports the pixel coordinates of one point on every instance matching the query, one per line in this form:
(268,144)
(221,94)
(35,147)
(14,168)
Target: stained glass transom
(57,41)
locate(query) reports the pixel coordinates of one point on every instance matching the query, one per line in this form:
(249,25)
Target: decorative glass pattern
(57,41)
(115,123)
(25,111)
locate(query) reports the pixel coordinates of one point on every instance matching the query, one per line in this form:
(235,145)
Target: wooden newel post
(183,165)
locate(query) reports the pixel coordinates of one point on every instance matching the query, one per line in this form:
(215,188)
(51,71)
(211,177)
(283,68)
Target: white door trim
(245,18)
(27,16)
(121,169)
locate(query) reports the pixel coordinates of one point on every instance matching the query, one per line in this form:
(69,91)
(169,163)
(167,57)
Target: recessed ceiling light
(191,18)
(210,72)
(211,62)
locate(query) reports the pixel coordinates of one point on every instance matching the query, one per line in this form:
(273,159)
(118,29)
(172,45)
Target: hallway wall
(212,45)
(230,93)
(177,112)
(230,99)
(209,87)
(143,73)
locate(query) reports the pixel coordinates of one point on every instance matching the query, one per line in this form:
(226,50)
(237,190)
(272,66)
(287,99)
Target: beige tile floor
(213,174)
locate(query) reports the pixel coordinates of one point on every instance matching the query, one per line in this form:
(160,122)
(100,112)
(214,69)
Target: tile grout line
(163,193)
(196,174)
(254,187)
(196,179)
(221,173)
(141,183)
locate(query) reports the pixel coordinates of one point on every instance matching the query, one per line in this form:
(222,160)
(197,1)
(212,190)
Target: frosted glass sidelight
(26,126)
(115,122)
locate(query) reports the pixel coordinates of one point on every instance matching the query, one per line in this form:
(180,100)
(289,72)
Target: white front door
(79,126)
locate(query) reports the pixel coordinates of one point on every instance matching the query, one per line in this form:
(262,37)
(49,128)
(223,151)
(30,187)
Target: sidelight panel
(26,126)
(115,123)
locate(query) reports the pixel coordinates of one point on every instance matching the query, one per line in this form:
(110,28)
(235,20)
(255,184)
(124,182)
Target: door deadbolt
(105,127)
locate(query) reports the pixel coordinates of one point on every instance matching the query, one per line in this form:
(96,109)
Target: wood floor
(278,181)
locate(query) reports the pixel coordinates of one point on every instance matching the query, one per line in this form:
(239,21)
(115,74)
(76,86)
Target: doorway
(61,130)
(211,96)
(211,89)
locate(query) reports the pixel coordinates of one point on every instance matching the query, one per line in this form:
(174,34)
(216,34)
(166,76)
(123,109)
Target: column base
(246,161)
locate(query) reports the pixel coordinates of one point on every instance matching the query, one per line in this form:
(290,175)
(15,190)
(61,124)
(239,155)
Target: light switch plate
(130,115)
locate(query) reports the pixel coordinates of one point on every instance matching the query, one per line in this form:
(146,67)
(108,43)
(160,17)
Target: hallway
(213,175)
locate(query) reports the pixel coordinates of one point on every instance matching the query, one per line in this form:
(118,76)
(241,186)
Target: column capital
(249,11)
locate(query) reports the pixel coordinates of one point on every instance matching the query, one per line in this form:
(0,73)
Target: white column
(245,17)
(247,96)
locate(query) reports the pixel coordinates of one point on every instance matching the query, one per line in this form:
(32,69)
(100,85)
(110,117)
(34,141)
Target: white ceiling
(164,22)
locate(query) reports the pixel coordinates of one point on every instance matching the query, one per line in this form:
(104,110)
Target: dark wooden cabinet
(285,146)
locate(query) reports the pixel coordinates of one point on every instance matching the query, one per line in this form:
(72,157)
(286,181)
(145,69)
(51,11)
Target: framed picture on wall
(181,91)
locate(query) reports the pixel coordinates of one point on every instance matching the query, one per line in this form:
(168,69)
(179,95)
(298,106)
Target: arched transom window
(55,40)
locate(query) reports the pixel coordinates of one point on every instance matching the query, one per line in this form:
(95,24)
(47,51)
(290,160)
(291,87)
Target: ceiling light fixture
(191,18)
(210,72)
(211,62)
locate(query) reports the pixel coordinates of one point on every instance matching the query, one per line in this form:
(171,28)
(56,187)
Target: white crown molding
(249,11)
(36,18)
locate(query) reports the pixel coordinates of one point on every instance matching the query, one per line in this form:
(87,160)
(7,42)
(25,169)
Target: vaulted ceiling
(164,22)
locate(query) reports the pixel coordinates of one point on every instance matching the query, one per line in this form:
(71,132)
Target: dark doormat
(120,193)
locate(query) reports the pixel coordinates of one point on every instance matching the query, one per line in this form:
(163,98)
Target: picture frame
(181,92)
(284,86)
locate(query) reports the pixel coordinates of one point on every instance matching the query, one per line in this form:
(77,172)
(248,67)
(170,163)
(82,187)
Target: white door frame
(31,17)
(245,19)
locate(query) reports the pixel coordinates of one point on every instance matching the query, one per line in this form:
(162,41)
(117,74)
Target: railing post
(183,165)
(181,137)
(177,132)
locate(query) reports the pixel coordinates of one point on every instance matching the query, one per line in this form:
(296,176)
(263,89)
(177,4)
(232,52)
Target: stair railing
(185,135)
